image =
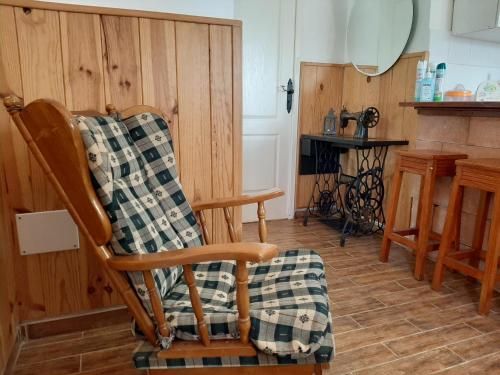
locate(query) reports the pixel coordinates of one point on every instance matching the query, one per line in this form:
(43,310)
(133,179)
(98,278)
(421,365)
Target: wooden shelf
(469,109)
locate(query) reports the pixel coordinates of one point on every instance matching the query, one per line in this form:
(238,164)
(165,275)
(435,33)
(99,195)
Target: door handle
(289,94)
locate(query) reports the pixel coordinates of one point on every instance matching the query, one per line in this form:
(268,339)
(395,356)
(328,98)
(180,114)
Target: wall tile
(439,128)
(484,132)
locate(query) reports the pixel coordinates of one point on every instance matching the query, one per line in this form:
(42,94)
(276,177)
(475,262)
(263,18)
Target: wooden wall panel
(9,314)
(221,98)
(122,61)
(84,87)
(193,90)
(82,61)
(85,60)
(52,278)
(237,125)
(320,90)
(159,71)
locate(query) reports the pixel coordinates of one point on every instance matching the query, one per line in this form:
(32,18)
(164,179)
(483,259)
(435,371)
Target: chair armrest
(240,251)
(240,200)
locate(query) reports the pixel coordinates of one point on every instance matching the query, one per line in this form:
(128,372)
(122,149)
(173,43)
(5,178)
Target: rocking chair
(199,305)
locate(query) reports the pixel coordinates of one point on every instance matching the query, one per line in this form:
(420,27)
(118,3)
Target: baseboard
(76,322)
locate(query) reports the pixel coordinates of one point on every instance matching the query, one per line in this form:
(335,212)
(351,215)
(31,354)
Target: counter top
(469,109)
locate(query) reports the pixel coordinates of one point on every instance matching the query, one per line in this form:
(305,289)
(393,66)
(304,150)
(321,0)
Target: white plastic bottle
(421,68)
(427,91)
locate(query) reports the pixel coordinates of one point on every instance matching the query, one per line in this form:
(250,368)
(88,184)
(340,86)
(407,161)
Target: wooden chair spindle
(261,213)
(243,300)
(196,304)
(229,221)
(203,224)
(156,304)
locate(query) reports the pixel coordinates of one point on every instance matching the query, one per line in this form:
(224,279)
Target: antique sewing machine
(365,119)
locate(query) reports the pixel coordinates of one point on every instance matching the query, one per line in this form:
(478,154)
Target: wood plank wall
(325,86)
(189,67)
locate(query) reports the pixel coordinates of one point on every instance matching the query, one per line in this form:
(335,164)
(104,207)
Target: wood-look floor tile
(352,360)
(83,345)
(125,369)
(343,324)
(485,324)
(461,314)
(428,340)
(349,261)
(373,276)
(350,271)
(105,330)
(459,299)
(367,336)
(389,314)
(421,364)
(335,283)
(489,365)
(370,290)
(346,307)
(121,355)
(478,346)
(60,366)
(51,339)
(416,294)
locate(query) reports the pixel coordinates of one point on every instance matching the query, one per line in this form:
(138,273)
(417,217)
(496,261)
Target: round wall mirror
(377,33)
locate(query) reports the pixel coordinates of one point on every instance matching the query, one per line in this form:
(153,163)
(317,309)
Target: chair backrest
(47,127)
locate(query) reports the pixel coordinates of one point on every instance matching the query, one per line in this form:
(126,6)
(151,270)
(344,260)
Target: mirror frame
(412,10)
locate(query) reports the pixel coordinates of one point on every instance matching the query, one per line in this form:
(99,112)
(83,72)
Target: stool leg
(491,261)
(447,235)
(480,227)
(391,215)
(419,208)
(424,226)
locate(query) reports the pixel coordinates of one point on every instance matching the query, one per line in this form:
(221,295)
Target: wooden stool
(482,174)
(430,165)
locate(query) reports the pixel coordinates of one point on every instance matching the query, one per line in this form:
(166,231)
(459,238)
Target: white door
(268,55)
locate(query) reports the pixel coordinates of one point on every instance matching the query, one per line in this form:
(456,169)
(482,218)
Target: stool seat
(483,175)
(489,164)
(429,164)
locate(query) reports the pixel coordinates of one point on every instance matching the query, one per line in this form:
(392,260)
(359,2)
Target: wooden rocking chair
(45,123)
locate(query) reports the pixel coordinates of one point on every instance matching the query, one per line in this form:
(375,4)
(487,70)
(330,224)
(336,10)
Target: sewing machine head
(365,120)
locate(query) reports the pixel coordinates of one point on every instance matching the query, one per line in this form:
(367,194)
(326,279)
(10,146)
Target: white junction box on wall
(479,19)
(47,231)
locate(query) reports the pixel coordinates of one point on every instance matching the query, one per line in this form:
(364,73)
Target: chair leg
(447,236)
(480,227)
(425,222)
(391,215)
(491,261)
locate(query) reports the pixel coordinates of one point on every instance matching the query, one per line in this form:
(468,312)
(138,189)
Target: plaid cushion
(128,186)
(289,308)
(152,137)
(145,357)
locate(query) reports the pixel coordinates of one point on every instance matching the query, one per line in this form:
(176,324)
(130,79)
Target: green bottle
(439,87)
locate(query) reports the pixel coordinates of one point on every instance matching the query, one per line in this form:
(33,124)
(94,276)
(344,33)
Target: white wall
(321,27)
(208,8)
(420,32)
(468,61)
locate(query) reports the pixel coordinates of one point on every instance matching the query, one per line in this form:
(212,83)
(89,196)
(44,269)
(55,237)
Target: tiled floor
(385,322)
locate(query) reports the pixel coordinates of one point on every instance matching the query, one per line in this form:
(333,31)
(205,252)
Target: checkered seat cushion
(289,308)
(133,170)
